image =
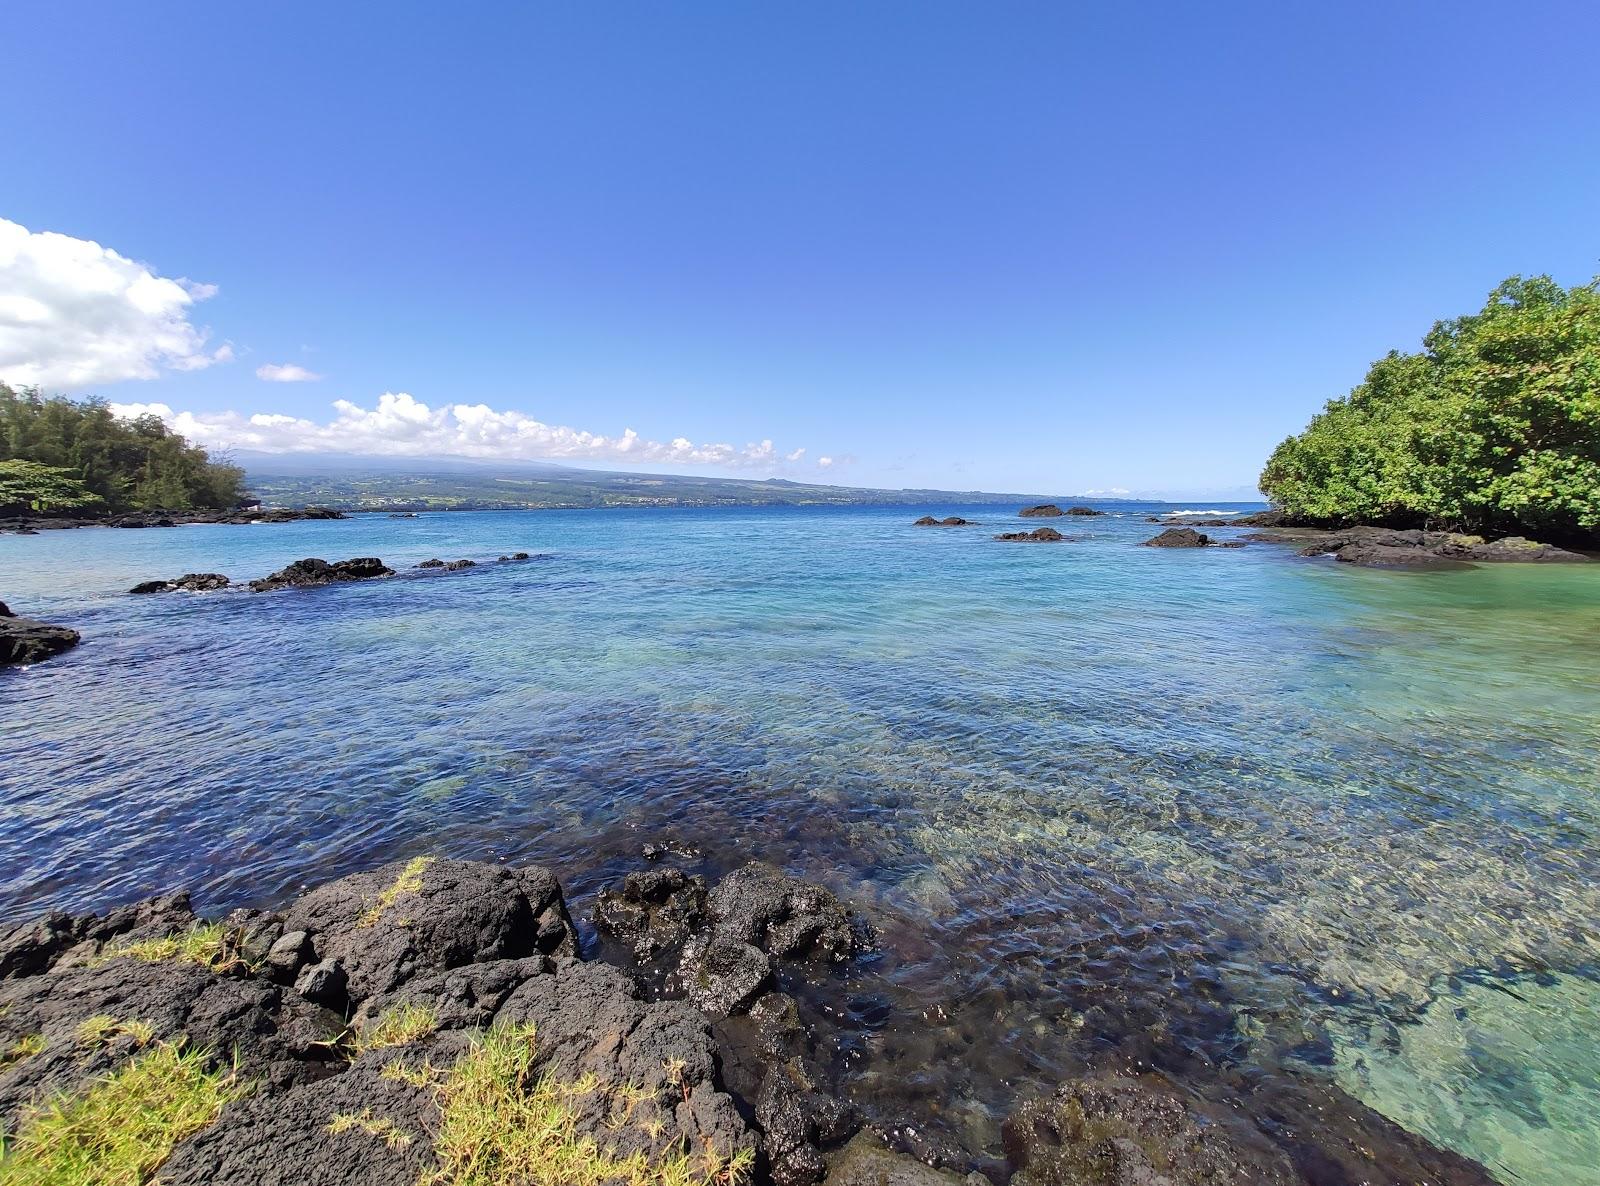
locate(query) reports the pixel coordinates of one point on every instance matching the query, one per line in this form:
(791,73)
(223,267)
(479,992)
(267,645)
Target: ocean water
(1223,811)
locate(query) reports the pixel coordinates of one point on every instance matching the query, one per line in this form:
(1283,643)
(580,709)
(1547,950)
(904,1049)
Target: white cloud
(824,462)
(74,314)
(1112,492)
(286,373)
(795,456)
(403,426)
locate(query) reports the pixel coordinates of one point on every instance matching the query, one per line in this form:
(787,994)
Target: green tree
(29,486)
(124,464)
(1493,427)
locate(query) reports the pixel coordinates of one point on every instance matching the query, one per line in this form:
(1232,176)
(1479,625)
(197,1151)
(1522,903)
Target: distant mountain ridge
(379,483)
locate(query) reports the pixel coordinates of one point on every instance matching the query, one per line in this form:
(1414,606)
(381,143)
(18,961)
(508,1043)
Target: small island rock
(1188,537)
(1045,510)
(192,582)
(1039,535)
(311,572)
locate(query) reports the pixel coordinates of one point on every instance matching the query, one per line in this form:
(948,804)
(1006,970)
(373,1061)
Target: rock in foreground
(432,1020)
(309,573)
(24,640)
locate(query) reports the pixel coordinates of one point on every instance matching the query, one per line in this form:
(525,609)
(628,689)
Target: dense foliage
(59,454)
(1494,427)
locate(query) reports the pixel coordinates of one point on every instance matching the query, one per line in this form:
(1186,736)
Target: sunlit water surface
(1267,811)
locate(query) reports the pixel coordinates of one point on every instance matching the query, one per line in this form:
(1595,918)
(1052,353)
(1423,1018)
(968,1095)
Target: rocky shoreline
(1368,546)
(33,525)
(398,1025)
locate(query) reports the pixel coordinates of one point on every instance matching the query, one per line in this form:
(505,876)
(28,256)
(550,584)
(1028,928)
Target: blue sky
(1016,246)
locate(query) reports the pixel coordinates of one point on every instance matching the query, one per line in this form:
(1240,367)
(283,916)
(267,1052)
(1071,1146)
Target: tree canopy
(105,462)
(27,485)
(1494,427)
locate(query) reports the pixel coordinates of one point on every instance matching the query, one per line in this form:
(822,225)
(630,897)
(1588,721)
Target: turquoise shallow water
(1197,809)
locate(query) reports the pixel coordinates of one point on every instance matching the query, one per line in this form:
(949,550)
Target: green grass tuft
(395,1027)
(409,882)
(23,1048)
(400,1071)
(209,944)
(496,1125)
(102,1028)
(381,1127)
(119,1131)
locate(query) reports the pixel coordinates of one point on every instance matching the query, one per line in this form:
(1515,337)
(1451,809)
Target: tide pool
(1221,810)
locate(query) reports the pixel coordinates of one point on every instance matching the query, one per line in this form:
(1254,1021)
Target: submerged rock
(867,1161)
(950,521)
(311,572)
(1083,512)
(24,640)
(434,563)
(654,850)
(1045,510)
(1117,1131)
(1039,535)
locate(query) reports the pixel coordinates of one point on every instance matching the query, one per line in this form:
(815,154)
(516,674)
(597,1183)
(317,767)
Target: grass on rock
(499,1124)
(409,882)
(395,1027)
(118,1132)
(381,1127)
(209,944)
(102,1028)
(24,1047)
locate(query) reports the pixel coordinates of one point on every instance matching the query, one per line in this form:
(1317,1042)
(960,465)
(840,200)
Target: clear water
(1210,809)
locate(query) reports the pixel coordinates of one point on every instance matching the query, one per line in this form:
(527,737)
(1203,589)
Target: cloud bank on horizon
(403,426)
(74,314)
